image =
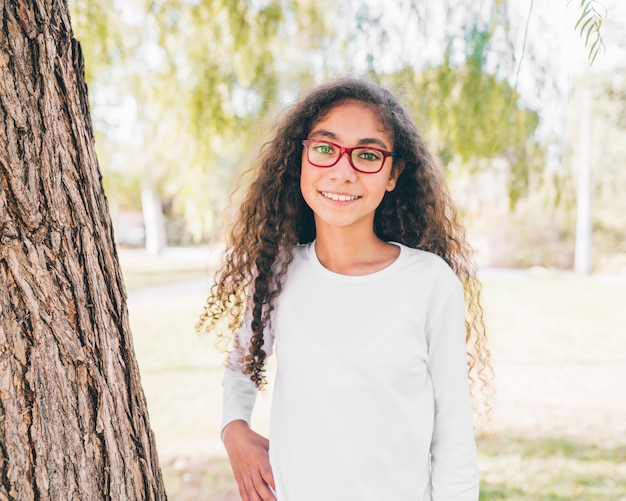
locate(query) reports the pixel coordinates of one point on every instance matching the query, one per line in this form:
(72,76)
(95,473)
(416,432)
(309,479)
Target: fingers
(254,488)
(254,477)
(262,489)
(268,476)
(249,459)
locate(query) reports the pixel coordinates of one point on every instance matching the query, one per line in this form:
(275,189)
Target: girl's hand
(249,459)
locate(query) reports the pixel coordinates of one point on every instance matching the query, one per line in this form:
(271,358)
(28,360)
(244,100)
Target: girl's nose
(343,168)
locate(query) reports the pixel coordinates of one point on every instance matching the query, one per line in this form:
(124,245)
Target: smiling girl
(347,262)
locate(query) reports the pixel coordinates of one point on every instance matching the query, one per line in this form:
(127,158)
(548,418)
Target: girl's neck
(350,253)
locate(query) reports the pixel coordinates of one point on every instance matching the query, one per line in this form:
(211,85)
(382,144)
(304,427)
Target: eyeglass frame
(343,149)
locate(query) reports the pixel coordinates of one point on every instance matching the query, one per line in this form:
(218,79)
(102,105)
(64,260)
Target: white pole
(582,261)
(153,219)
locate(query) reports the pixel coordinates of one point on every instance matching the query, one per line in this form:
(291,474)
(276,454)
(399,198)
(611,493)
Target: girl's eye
(324,149)
(369,155)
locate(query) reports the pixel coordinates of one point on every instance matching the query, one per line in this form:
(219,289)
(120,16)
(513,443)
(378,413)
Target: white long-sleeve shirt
(371,381)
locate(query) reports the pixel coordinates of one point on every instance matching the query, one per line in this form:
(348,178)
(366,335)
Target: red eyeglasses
(366,159)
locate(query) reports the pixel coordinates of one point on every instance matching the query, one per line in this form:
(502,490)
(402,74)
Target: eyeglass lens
(325,154)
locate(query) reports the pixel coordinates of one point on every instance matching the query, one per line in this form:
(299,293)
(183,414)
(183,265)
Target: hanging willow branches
(589,24)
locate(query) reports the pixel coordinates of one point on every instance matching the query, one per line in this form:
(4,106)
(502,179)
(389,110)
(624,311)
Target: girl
(347,261)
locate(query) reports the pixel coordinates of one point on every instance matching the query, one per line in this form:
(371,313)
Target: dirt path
(559,351)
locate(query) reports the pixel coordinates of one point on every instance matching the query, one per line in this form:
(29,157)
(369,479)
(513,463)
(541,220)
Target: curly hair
(273,218)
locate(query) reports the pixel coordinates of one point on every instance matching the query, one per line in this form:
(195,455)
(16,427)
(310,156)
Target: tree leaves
(473,119)
(201,74)
(589,24)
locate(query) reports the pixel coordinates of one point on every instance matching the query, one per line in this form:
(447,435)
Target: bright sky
(542,32)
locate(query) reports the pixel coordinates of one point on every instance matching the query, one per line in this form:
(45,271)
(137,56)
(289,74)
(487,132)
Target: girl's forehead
(352,117)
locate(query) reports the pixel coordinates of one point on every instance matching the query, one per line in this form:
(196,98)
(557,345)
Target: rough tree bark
(73,417)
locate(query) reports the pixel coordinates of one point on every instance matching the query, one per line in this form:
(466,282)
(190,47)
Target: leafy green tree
(198,75)
(110,41)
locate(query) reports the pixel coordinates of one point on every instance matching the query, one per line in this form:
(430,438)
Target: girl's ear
(396,170)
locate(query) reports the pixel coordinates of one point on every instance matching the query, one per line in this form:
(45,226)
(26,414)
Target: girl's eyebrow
(364,141)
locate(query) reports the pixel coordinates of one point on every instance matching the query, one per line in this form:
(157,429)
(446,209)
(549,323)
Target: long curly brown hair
(273,217)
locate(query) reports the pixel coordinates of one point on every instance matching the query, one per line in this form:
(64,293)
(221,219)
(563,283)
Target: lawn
(558,427)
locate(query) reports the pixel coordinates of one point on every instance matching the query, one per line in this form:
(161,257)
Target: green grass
(195,478)
(517,468)
(559,420)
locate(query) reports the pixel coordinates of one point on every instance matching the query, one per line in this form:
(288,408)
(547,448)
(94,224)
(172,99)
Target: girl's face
(341,196)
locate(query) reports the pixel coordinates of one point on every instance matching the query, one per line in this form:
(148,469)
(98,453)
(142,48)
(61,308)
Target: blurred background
(523,101)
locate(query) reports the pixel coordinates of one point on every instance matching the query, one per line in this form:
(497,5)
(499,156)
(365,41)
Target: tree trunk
(73,417)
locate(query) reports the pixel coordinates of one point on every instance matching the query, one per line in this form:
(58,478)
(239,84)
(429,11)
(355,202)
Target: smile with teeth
(339,198)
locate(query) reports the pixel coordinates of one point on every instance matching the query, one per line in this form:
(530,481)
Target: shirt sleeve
(238,390)
(454,461)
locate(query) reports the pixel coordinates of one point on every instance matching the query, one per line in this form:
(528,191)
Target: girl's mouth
(339,198)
